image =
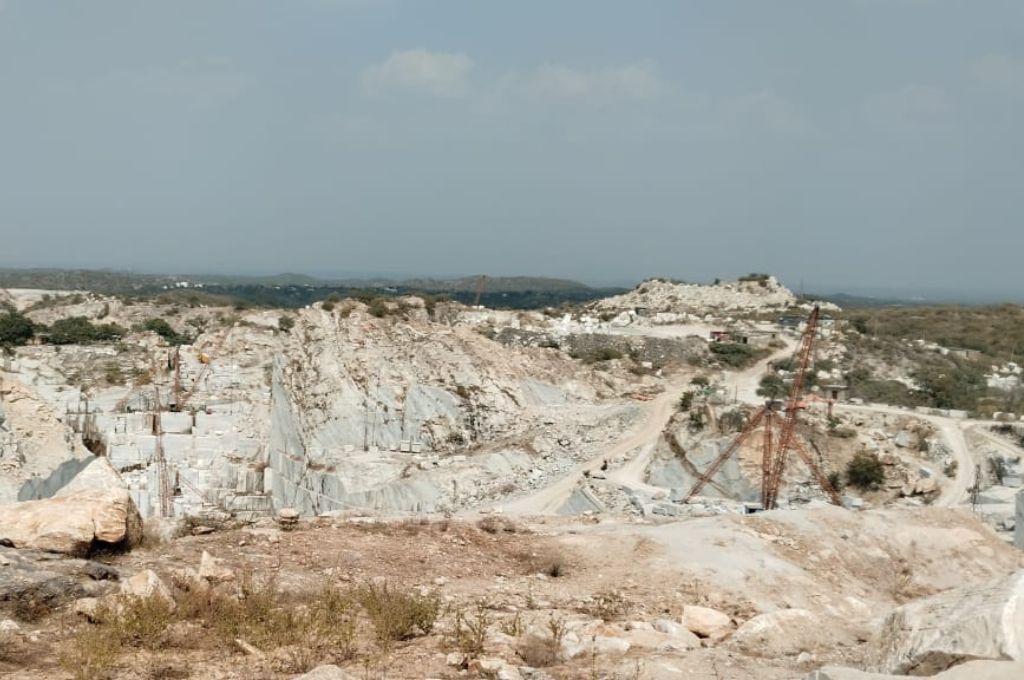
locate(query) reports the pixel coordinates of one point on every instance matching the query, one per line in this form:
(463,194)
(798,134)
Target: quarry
(680,481)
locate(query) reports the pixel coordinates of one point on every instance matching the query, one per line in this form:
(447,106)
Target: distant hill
(497,284)
(296,290)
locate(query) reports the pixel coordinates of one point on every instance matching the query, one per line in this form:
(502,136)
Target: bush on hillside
(165,331)
(865,471)
(15,329)
(78,330)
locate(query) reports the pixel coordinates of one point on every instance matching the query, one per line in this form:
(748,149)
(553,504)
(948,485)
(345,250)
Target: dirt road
(643,438)
(952,432)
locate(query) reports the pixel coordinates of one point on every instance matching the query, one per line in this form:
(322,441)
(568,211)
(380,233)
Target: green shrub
(734,354)
(397,615)
(165,331)
(285,323)
(772,387)
(78,330)
(686,400)
(865,471)
(379,308)
(15,329)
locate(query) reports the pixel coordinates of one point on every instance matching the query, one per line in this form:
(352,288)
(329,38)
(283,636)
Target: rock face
(94,508)
(936,633)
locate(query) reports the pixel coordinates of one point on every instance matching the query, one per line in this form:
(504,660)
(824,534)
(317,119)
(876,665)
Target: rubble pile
(658,295)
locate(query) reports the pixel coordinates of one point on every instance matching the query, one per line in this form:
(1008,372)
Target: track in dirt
(548,500)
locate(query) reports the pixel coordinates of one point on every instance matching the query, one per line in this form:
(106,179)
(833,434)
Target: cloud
(1000,72)
(909,106)
(441,74)
(766,110)
(637,81)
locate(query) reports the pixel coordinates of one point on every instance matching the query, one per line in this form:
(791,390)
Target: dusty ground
(847,569)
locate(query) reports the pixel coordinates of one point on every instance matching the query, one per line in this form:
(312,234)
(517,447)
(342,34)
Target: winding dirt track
(548,500)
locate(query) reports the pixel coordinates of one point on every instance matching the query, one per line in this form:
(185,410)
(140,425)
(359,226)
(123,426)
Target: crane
(479,290)
(778,438)
(181,400)
(165,488)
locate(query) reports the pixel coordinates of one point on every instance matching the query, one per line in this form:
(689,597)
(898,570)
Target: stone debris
(658,295)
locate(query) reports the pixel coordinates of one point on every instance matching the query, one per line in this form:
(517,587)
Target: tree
(285,323)
(772,387)
(997,467)
(865,471)
(15,329)
(686,400)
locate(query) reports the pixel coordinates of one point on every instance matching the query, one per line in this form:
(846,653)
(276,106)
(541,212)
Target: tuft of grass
(92,654)
(469,632)
(397,615)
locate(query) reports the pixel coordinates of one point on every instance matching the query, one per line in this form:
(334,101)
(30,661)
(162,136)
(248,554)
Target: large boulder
(932,634)
(786,632)
(95,508)
(706,622)
(971,670)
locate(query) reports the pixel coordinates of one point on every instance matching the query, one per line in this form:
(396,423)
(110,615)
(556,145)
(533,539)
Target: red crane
(481,280)
(778,439)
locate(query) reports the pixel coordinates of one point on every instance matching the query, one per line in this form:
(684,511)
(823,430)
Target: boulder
(929,635)
(786,632)
(94,508)
(213,570)
(971,670)
(329,672)
(26,584)
(706,622)
(492,667)
(146,584)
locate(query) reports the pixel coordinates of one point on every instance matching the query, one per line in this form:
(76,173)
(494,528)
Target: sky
(845,144)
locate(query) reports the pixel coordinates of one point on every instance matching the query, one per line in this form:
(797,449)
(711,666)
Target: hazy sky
(839,142)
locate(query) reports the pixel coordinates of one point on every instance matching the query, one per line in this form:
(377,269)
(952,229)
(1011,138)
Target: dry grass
(398,615)
(607,606)
(469,631)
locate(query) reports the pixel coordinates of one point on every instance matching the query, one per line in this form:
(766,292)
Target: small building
(791,322)
(721,336)
(835,392)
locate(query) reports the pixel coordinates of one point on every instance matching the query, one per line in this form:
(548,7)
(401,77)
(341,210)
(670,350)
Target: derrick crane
(206,359)
(479,290)
(777,439)
(165,489)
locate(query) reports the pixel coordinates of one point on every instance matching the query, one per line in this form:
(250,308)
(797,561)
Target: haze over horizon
(851,145)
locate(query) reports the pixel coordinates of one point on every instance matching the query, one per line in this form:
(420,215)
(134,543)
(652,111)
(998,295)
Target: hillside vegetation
(995,330)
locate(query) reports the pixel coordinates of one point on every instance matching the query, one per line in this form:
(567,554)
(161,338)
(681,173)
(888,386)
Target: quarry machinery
(165,487)
(481,281)
(778,437)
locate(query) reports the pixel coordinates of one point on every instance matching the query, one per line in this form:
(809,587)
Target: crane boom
(717,464)
(770,491)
